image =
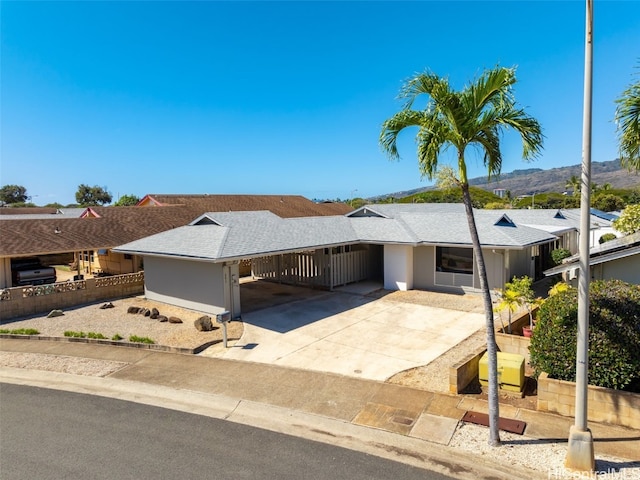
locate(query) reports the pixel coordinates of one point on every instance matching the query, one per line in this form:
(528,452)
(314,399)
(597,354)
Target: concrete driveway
(350,334)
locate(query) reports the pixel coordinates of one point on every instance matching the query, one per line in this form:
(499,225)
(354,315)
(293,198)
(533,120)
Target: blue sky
(281,97)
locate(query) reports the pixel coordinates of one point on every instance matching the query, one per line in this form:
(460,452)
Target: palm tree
(573,184)
(474,116)
(627,120)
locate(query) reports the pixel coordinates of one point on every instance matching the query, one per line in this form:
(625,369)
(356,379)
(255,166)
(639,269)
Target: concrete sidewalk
(407,414)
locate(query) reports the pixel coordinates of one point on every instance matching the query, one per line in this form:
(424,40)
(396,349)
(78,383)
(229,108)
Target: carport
(198,266)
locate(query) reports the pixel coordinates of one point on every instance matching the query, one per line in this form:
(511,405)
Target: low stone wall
(465,372)
(32,300)
(517,322)
(604,404)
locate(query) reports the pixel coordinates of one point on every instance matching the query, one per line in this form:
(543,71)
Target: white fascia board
(167,255)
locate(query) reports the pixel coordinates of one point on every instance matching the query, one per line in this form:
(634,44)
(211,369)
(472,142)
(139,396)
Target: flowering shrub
(614,335)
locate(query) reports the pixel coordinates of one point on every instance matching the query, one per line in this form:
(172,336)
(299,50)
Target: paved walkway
(392,420)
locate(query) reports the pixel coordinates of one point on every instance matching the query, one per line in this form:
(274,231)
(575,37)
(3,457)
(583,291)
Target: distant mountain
(527,181)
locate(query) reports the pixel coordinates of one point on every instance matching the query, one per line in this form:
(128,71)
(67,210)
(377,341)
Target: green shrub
(21,331)
(607,237)
(614,335)
(559,254)
(117,337)
(95,335)
(71,333)
(137,339)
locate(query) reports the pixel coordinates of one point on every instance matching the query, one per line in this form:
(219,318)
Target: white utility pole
(580,456)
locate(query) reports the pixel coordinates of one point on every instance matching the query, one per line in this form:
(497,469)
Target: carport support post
(224,334)
(331,269)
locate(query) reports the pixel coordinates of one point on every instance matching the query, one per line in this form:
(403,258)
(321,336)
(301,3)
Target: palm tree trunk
(492,348)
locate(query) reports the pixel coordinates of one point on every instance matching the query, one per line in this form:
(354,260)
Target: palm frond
(493,88)
(490,141)
(433,138)
(627,118)
(429,84)
(393,126)
(529,129)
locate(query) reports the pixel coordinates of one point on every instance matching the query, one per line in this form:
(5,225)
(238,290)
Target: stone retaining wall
(31,300)
(604,404)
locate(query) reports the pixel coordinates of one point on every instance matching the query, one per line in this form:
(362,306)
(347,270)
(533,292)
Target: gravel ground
(111,321)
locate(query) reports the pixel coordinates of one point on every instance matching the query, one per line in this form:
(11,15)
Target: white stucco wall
(398,267)
(189,284)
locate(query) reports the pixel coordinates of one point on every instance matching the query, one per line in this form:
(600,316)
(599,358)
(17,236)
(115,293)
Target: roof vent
(505,221)
(559,215)
(206,220)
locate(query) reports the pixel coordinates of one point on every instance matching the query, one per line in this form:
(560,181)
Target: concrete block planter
(604,404)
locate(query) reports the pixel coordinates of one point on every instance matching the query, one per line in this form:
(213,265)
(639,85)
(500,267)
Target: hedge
(614,335)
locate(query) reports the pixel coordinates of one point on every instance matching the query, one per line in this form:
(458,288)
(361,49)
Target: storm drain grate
(505,424)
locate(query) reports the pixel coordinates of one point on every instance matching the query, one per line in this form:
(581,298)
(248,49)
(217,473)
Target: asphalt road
(50,434)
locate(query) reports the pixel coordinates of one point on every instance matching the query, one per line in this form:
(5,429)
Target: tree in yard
(88,196)
(475,116)
(627,120)
(13,194)
(607,202)
(629,221)
(573,184)
(127,201)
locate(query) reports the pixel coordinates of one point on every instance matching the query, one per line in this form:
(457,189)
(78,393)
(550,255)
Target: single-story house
(87,235)
(404,246)
(615,259)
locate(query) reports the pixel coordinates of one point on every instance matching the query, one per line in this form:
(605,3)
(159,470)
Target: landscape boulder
(133,309)
(162,318)
(175,320)
(106,305)
(203,324)
(55,313)
(154,313)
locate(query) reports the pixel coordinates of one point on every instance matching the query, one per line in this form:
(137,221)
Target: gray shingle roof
(233,235)
(611,250)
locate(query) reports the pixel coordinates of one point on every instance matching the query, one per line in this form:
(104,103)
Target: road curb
(409,450)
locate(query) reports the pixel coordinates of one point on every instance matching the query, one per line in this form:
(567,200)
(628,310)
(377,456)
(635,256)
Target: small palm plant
(523,288)
(518,293)
(510,302)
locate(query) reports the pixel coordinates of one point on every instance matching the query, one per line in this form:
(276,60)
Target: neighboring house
(85,236)
(404,246)
(285,206)
(615,259)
